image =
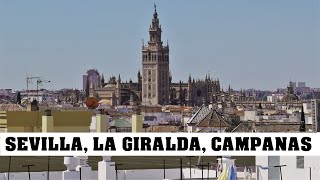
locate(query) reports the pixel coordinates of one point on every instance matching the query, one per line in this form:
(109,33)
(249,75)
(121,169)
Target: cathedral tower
(155,66)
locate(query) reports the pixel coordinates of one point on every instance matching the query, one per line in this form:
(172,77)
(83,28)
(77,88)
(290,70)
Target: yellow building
(39,121)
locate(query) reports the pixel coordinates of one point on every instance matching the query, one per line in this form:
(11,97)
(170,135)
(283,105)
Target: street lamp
(190,163)
(310,175)
(280,166)
(28,166)
(9,168)
(202,166)
(164,168)
(181,174)
(48,168)
(310,172)
(116,168)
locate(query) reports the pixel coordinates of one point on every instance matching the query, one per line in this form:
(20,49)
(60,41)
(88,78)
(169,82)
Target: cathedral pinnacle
(119,78)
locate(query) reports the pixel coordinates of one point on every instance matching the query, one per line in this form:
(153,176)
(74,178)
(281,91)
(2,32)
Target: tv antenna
(39,83)
(29,81)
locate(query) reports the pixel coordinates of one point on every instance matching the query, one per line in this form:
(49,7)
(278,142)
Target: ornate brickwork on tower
(155,67)
(154,86)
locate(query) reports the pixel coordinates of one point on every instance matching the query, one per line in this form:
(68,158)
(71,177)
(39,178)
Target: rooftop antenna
(29,79)
(39,82)
(290,77)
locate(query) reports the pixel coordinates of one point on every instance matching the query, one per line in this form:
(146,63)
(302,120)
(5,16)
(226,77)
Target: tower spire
(159,54)
(119,78)
(302,121)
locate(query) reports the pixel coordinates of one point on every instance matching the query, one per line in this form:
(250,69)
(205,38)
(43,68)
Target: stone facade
(120,93)
(194,92)
(154,86)
(155,67)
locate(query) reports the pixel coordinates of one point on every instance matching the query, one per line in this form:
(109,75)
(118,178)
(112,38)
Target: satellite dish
(92,103)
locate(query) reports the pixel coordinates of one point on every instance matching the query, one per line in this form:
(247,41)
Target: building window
(300,162)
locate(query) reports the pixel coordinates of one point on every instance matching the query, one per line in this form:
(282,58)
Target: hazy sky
(246,43)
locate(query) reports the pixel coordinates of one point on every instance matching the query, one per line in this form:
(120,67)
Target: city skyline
(88,36)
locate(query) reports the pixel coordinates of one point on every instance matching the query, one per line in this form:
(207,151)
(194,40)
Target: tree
(77,96)
(19,98)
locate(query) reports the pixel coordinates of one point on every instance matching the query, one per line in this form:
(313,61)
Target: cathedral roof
(110,85)
(290,97)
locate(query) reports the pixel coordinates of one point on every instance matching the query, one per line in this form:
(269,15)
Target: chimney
(33,106)
(137,121)
(102,121)
(47,122)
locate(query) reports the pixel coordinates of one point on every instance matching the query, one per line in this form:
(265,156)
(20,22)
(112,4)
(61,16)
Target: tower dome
(290,96)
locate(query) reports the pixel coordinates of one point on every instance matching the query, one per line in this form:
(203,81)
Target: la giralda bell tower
(155,66)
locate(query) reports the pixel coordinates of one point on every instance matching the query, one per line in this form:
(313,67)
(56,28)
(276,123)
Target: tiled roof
(11,107)
(120,123)
(199,115)
(269,127)
(164,128)
(206,117)
(214,119)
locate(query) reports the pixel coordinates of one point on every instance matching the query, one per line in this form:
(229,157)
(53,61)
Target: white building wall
(272,99)
(307,107)
(33,175)
(250,115)
(290,171)
(261,174)
(150,174)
